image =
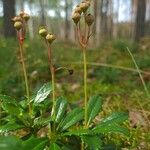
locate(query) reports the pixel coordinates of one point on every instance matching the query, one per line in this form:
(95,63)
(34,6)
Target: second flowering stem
(52,70)
(85,85)
(25,76)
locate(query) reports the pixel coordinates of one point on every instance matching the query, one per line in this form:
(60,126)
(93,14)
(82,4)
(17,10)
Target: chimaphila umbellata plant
(66,130)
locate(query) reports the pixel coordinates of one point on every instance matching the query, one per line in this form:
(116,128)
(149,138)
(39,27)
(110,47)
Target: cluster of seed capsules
(47,36)
(20,22)
(82,8)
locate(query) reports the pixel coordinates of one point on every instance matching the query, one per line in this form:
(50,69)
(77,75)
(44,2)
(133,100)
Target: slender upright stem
(52,70)
(25,76)
(85,85)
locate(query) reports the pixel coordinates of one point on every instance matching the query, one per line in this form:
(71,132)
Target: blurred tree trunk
(21,4)
(116,20)
(43,19)
(103,18)
(67,23)
(9,13)
(140,19)
(110,19)
(95,23)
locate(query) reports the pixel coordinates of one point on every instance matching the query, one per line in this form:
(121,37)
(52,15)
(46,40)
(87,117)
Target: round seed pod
(76,17)
(18,25)
(50,37)
(26,17)
(78,9)
(84,6)
(43,32)
(89,19)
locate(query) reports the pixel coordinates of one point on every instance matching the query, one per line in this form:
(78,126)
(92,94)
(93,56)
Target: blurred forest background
(111,72)
(114,19)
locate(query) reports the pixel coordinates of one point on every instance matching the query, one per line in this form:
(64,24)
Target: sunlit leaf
(42,94)
(61,106)
(93,108)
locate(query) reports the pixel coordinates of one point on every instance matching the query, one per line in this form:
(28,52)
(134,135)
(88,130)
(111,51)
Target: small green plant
(65,129)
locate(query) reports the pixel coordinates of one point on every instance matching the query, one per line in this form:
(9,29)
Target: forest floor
(111,73)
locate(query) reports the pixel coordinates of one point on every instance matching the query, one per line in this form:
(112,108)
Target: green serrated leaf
(10,127)
(78,132)
(10,143)
(93,108)
(111,129)
(61,106)
(93,142)
(110,124)
(42,94)
(114,118)
(54,146)
(72,118)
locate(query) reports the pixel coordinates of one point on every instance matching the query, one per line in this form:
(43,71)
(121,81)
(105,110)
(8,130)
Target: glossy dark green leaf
(72,118)
(10,127)
(34,143)
(42,94)
(41,145)
(93,108)
(10,143)
(61,106)
(54,146)
(93,142)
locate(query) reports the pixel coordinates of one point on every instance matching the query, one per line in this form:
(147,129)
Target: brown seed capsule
(18,25)
(70,71)
(89,19)
(17,18)
(43,32)
(21,13)
(26,17)
(84,6)
(76,17)
(78,9)
(50,38)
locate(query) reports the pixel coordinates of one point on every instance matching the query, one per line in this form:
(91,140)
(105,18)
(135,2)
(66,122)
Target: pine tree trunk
(9,13)
(67,24)
(43,19)
(140,19)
